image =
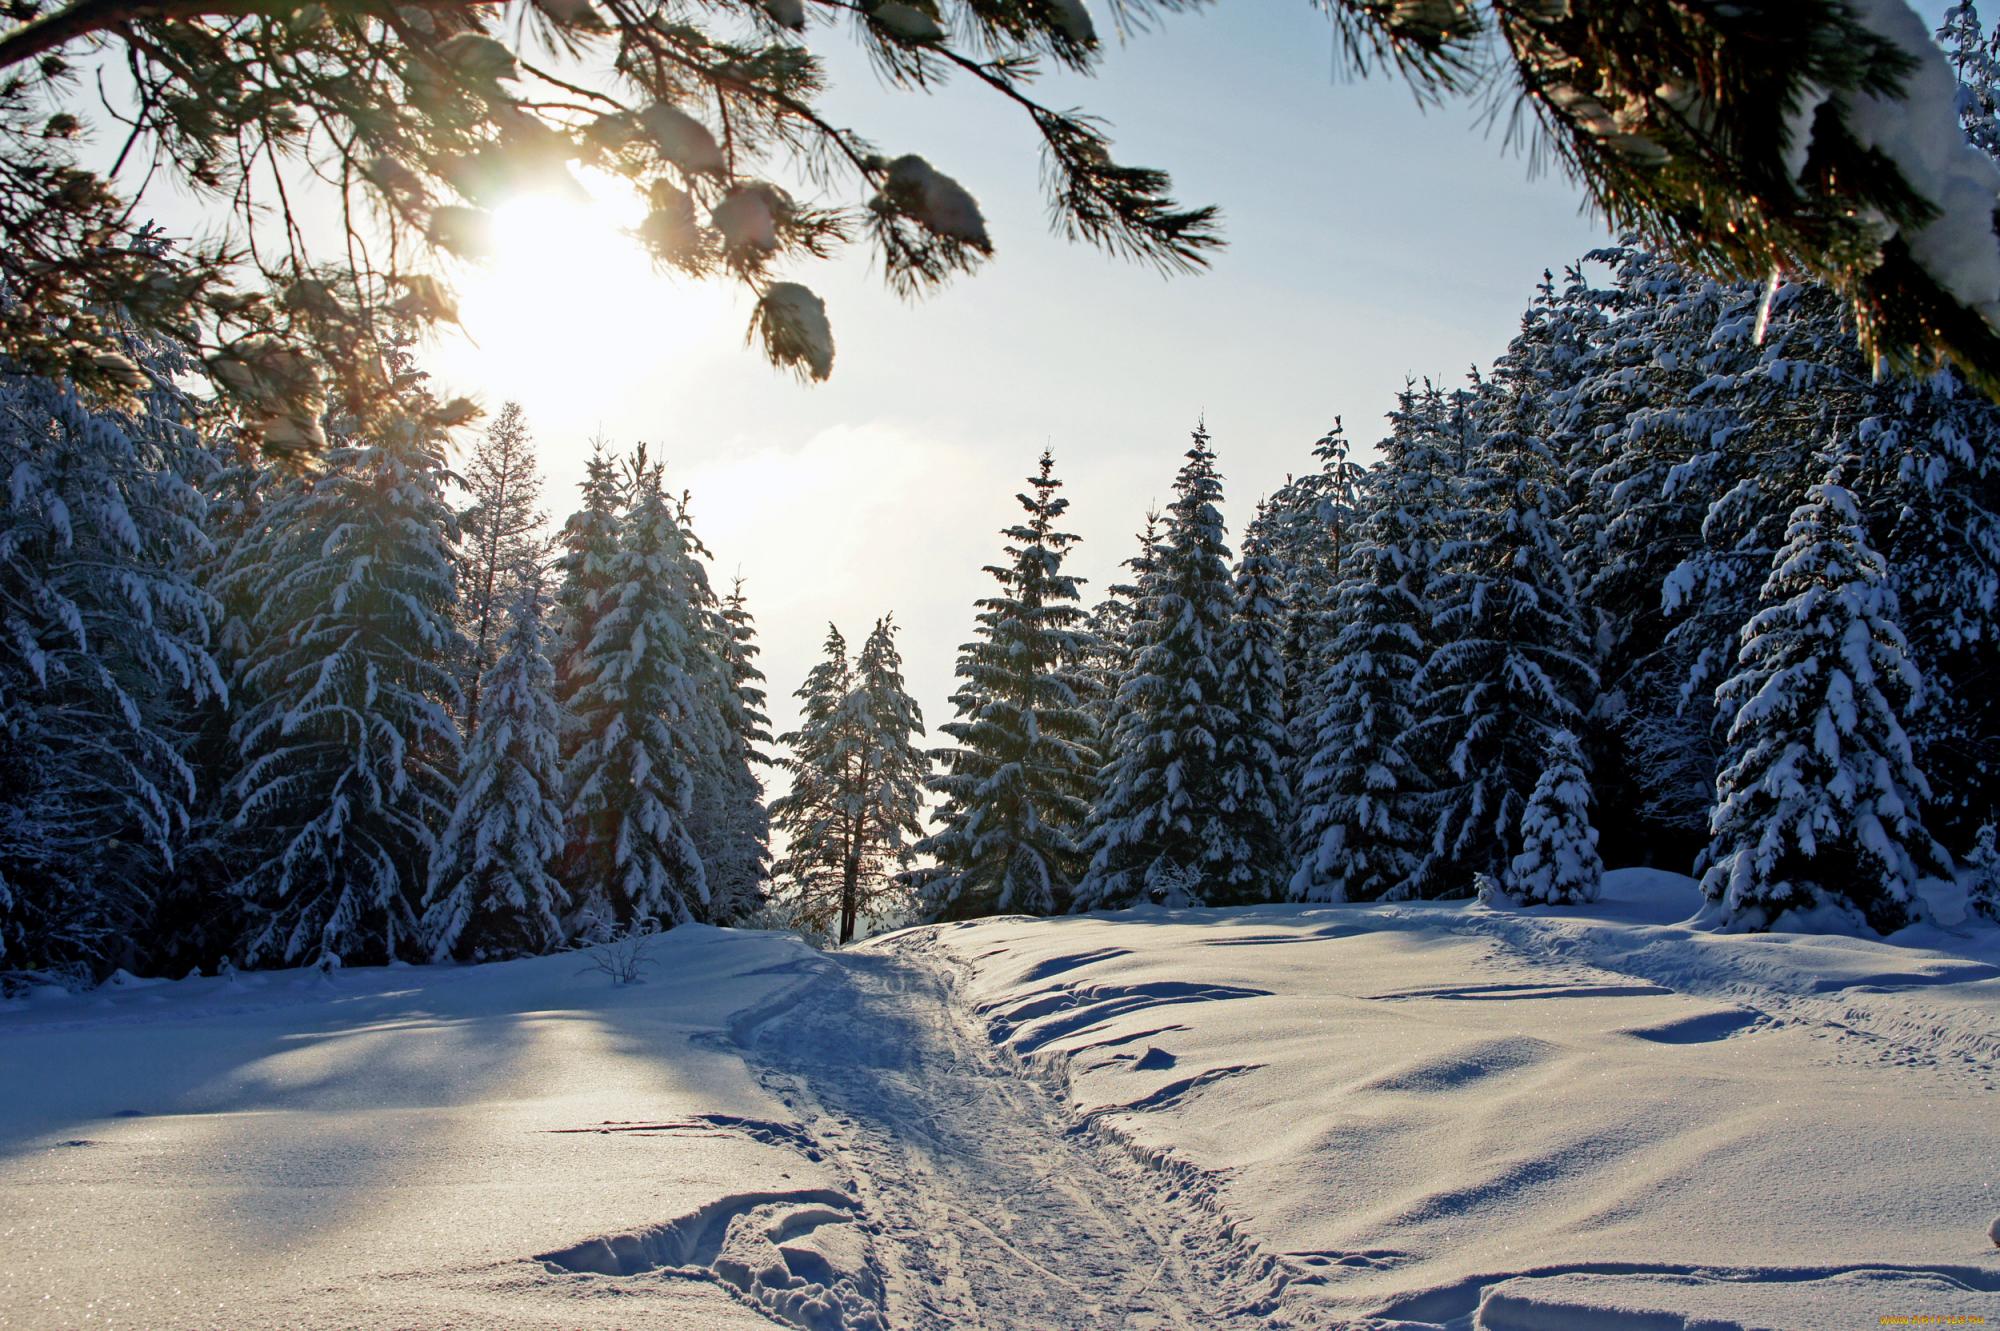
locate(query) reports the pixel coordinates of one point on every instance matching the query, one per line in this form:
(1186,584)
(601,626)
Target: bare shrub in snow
(624,956)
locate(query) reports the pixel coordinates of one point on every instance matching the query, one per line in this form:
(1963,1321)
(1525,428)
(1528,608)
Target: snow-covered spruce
(104,654)
(502,547)
(854,811)
(1016,787)
(1159,808)
(493,892)
(1308,529)
(1819,805)
(589,543)
(345,727)
(1256,797)
(1558,864)
(1931,450)
(1512,664)
(1644,464)
(729,822)
(1360,827)
(1113,623)
(1981,875)
(631,778)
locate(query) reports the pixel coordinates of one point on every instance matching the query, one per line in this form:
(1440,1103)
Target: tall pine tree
(1512,665)
(1820,803)
(1016,787)
(104,659)
(502,547)
(1158,822)
(638,705)
(853,813)
(731,826)
(1256,752)
(493,891)
(1361,828)
(345,722)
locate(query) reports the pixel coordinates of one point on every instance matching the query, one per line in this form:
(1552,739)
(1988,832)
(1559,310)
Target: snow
(683,140)
(390,1146)
(1602,1118)
(1432,1115)
(1919,132)
(937,201)
(796,328)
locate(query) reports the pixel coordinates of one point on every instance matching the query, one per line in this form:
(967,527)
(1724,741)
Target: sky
(1368,240)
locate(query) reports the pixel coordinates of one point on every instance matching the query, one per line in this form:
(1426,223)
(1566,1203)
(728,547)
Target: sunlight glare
(570,298)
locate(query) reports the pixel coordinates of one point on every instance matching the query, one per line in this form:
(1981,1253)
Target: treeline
(1682,581)
(357,710)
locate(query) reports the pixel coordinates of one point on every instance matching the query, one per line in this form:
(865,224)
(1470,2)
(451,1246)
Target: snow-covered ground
(1380,1116)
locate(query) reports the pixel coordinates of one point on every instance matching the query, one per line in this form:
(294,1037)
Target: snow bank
(417,1147)
(1449,1115)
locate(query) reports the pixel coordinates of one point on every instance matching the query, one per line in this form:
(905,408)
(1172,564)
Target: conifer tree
(493,891)
(1558,864)
(1308,528)
(1929,485)
(1158,813)
(640,720)
(731,826)
(104,659)
(1113,625)
(1974,55)
(1511,666)
(1256,752)
(1982,875)
(1361,830)
(589,544)
(1819,803)
(1016,787)
(854,810)
(345,721)
(502,547)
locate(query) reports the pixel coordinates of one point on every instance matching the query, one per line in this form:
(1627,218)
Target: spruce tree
(1929,486)
(1974,55)
(1113,626)
(1981,875)
(1558,864)
(731,827)
(1511,665)
(1361,828)
(639,712)
(589,543)
(104,660)
(854,809)
(345,716)
(1016,787)
(1308,529)
(1159,810)
(1256,756)
(1819,803)
(502,546)
(493,891)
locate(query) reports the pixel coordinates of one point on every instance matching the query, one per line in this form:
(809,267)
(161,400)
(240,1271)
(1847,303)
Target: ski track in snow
(976,1196)
(987,1206)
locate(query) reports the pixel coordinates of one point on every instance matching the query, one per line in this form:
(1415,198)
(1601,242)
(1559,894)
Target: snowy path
(986,1206)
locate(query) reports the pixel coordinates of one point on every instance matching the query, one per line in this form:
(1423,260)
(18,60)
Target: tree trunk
(850,897)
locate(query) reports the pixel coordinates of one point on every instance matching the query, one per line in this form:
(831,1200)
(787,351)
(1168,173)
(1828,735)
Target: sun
(569,297)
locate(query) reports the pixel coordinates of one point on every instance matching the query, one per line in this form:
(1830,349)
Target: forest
(1686,577)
